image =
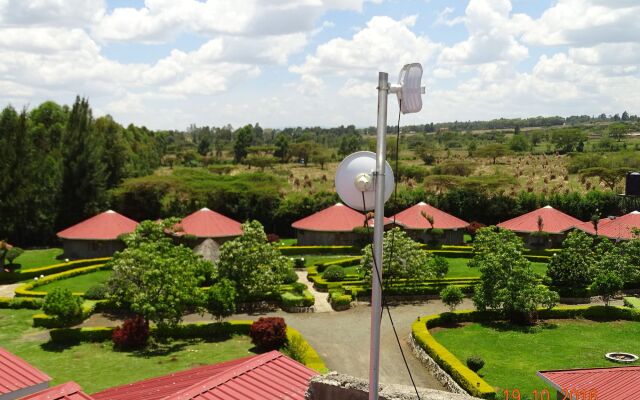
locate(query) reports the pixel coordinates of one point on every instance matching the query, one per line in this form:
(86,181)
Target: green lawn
(95,366)
(458,268)
(79,283)
(513,355)
(313,259)
(39,258)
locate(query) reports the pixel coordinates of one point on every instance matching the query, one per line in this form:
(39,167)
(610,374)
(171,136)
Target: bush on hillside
(268,333)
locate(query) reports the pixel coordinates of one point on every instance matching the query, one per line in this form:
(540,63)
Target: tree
(507,281)
(619,130)
(261,161)
(282,148)
(566,139)
(440,266)
(321,155)
(303,150)
(492,151)
(573,266)
(62,304)
(204,146)
(349,144)
(254,265)
(407,261)
(607,284)
(625,116)
(425,153)
(155,278)
(14,253)
(452,296)
(608,176)
(221,299)
(244,139)
(519,143)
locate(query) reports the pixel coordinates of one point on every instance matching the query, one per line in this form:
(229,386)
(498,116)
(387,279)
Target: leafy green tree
(256,266)
(260,161)
(221,299)
(573,266)
(204,146)
(440,266)
(282,148)
(607,284)
(244,139)
(452,296)
(492,151)
(349,144)
(425,153)
(62,304)
(303,150)
(321,155)
(14,253)
(609,176)
(407,261)
(507,281)
(116,152)
(619,130)
(566,139)
(519,143)
(155,278)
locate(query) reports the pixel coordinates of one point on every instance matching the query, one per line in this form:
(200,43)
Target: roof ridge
(225,376)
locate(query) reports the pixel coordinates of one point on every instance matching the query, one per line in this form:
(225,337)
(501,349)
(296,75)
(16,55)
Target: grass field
(38,258)
(78,283)
(558,344)
(95,366)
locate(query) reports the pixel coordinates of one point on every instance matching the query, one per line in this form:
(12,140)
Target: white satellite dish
(355,177)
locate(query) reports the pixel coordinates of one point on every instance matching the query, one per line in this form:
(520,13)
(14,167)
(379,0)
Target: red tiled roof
(66,391)
(615,228)
(104,226)
(267,376)
(412,218)
(16,373)
(620,383)
(554,221)
(337,218)
(205,223)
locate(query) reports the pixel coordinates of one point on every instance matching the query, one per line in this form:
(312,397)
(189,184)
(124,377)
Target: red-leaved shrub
(133,334)
(269,333)
(473,227)
(273,238)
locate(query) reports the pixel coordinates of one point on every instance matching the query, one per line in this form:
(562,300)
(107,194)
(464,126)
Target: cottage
(616,228)
(208,231)
(97,236)
(18,378)
(543,227)
(446,228)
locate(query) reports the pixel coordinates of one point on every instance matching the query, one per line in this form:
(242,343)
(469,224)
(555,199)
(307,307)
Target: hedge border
(30,303)
(302,250)
(632,302)
(12,277)
(25,290)
(468,379)
(49,321)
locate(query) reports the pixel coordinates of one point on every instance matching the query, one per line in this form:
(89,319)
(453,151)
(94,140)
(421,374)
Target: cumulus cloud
(73,13)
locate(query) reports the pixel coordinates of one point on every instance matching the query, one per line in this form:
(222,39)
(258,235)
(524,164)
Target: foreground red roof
(105,226)
(205,223)
(337,218)
(615,227)
(16,373)
(621,383)
(412,218)
(267,376)
(66,391)
(554,221)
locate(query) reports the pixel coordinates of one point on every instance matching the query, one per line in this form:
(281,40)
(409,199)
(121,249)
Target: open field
(556,344)
(79,283)
(39,258)
(95,366)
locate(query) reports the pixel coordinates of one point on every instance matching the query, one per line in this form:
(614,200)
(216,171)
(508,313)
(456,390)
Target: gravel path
(9,290)
(321,302)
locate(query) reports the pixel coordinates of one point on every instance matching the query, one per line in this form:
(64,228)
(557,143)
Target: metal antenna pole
(378,231)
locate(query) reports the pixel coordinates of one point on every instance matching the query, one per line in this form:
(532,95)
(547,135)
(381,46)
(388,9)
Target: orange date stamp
(564,394)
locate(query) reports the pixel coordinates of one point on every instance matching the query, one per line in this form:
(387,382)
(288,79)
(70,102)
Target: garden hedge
(31,303)
(339,300)
(632,302)
(468,379)
(25,290)
(311,357)
(291,300)
(49,321)
(300,250)
(11,277)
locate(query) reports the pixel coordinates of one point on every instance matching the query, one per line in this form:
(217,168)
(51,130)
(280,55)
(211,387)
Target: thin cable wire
(375,264)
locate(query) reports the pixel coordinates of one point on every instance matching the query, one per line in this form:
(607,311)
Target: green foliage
(406,261)
(519,143)
(457,168)
(573,266)
(567,140)
(244,138)
(297,348)
(62,304)
(221,299)
(632,302)
(334,273)
(607,284)
(452,297)
(97,292)
(475,363)
(492,151)
(256,267)
(339,301)
(507,281)
(32,303)
(440,266)
(156,278)
(290,276)
(13,253)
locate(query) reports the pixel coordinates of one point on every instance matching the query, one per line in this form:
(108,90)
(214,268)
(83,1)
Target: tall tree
(244,138)
(116,152)
(84,175)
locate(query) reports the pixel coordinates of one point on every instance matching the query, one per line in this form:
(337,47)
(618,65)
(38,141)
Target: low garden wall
(471,382)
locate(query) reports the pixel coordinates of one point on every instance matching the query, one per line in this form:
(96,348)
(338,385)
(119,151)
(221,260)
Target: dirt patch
(454,325)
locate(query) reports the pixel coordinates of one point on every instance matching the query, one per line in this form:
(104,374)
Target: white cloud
(443,18)
(69,13)
(608,54)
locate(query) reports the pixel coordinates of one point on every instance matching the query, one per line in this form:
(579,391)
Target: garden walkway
(9,290)
(321,304)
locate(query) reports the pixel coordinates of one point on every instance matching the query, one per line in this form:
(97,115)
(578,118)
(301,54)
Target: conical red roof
(553,221)
(205,223)
(615,227)
(337,218)
(104,226)
(412,218)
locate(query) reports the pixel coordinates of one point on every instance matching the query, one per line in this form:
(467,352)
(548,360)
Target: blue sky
(170,63)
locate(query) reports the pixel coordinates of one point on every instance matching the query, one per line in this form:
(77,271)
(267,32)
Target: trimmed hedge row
(339,300)
(31,303)
(300,250)
(468,379)
(25,290)
(49,321)
(311,357)
(11,277)
(632,302)
(291,300)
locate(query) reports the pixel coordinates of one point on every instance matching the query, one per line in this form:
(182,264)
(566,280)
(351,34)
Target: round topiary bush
(268,333)
(475,363)
(334,273)
(62,304)
(290,276)
(298,262)
(97,292)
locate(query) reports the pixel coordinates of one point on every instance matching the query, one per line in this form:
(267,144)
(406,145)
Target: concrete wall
(313,238)
(77,249)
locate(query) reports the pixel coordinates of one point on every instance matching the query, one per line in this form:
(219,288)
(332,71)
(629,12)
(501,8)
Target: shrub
(475,363)
(133,334)
(452,296)
(12,254)
(290,277)
(97,292)
(221,299)
(273,238)
(62,304)
(607,284)
(298,262)
(334,273)
(440,266)
(297,348)
(268,333)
